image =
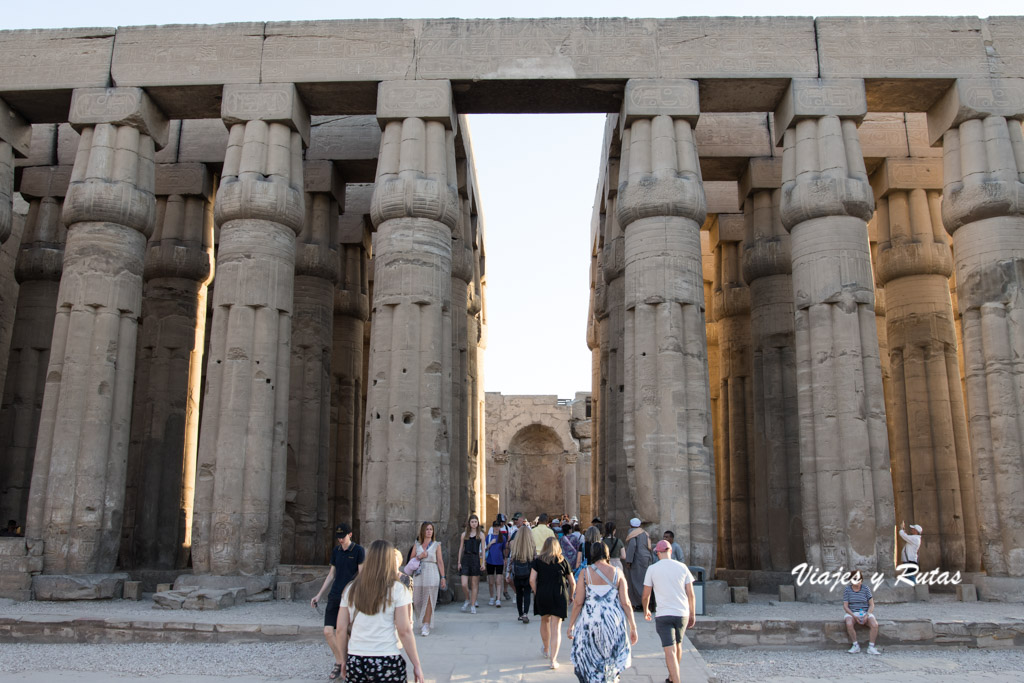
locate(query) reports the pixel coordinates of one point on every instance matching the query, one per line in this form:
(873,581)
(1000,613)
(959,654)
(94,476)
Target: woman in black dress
(471,562)
(552,583)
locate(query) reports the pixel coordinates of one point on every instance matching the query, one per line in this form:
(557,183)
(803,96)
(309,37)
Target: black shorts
(375,669)
(331,612)
(493,569)
(670,629)
(470,566)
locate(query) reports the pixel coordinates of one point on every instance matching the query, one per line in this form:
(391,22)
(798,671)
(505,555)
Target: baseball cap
(502,518)
(917,527)
(662,547)
(518,515)
(342,530)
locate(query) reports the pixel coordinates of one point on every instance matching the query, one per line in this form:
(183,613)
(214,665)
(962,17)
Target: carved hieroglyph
(415,207)
(666,415)
(983,208)
(846,489)
(78,480)
(260,208)
(933,478)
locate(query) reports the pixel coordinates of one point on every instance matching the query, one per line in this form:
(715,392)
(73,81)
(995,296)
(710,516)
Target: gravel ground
(275,612)
(894,664)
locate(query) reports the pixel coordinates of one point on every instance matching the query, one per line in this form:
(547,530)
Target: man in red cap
(672,584)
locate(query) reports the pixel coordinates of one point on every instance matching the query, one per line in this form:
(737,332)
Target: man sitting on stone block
(859,604)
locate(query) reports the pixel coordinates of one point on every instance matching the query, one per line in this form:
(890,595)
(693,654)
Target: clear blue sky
(537,174)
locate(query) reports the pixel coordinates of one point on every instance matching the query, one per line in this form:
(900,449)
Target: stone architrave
(932,469)
(37,271)
(15,138)
(667,415)
(78,479)
(979,123)
(260,208)
(351,311)
(307,532)
(731,303)
(415,207)
(846,489)
(767,269)
(165,418)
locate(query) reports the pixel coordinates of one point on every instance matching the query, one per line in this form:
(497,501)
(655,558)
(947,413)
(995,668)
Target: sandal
(335,673)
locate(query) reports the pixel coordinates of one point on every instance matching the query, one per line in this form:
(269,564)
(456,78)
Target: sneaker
(425,631)
(526,619)
(491,603)
(476,603)
(472,610)
(505,597)
(872,650)
(465,605)
(854,649)
(497,603)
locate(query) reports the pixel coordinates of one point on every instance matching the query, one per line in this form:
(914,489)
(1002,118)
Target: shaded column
(978,122)
(475,340)
(826,202)
(307,529)
(618,504)
(667,416)
(37,271)
(462,465)
(767,268)
(78,480)
(731,301)
(260,208)
(415,207)
(594,344)
(15,136)
(165,418)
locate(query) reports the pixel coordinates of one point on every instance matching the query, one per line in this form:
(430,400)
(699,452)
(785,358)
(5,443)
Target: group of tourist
(373,598)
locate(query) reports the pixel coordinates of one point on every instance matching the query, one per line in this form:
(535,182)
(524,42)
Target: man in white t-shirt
(672,584)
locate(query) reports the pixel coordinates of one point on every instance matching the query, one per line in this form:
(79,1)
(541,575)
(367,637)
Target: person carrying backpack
(521,553)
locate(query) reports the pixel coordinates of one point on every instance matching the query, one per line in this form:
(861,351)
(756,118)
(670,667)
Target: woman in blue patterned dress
(598,626)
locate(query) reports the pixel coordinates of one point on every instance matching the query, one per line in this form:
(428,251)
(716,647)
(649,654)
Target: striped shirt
(857,600)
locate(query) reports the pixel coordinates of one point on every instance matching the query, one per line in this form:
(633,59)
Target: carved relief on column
(37,271)
(731,302)
(307,532)
(78,480)
(618,502)
(767,268)
(846,488)
(415,207)
(462,466)
(667,417)
(978,122)
(260,208)
(165,416)
(594,344)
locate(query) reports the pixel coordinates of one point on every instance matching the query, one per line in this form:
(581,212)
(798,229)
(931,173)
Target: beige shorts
(871,617)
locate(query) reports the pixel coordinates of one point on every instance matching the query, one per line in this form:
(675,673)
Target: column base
(79,586)
(18,564)
(1000,588)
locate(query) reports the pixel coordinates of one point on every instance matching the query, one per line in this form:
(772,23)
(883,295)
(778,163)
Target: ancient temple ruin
(245,278)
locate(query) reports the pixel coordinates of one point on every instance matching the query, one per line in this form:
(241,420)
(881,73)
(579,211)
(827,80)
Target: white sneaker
(472,610)
(491,603)
(425,631)
(497,603)
(465,605)
(854,649)
(872,650)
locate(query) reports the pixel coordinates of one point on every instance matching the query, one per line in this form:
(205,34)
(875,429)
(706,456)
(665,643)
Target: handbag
(412,567)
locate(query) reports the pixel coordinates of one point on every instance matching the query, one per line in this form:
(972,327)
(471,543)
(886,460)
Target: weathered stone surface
(966,592)
(426,100)
(787,593)
(78,586)
(202,141)
(212,598)
(739,594)
(716,593)
(810,98)
(975,98)
(132,590)
(285,590)
(647,98)
(267,102)
(251,584)
(119,107)
(14,130)
(1000,588)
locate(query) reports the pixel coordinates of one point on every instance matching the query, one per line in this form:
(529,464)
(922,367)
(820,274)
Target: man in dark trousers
(346,562)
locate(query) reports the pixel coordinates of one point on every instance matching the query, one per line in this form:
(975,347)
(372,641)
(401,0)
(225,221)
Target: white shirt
(669,578)
(375,635)
(913,544)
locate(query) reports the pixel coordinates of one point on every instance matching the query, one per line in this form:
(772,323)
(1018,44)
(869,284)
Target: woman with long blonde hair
(520,559)
(377,606)
(552,582)
(427,550)
(471,562)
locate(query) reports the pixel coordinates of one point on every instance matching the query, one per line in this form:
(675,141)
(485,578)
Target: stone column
(415,207)
(618,504)
(594,344)
(37,271)
(667,418)
(260,208)
(351,311)
(307,531)
(826,202)
(767,268)
(78,480)
(978,122)
(475,400)
(571,497)
(463,488)
(724,548)
(731,301)
(165,418)
(15,136)
(933,474)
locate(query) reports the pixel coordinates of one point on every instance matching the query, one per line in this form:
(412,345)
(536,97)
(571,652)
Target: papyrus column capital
(975,98)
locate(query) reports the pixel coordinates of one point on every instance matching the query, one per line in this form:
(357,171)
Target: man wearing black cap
(346,561)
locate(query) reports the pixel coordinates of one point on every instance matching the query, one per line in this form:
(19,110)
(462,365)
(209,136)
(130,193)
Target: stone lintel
(646,98)
(727,227)
(183,179)
(975,98)
(269,102)
(763,173)
(358,197)
(320,175)
(203,141)
(427,100)
(119,106)
(14,130)
(722,196)
(354,228)
(44,181)
(907,174)
(807,98)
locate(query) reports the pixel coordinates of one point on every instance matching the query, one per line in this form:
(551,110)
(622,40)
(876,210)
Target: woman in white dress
(430,577)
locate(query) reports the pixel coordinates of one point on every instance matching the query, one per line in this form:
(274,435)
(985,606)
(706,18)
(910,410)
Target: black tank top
(471,546)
